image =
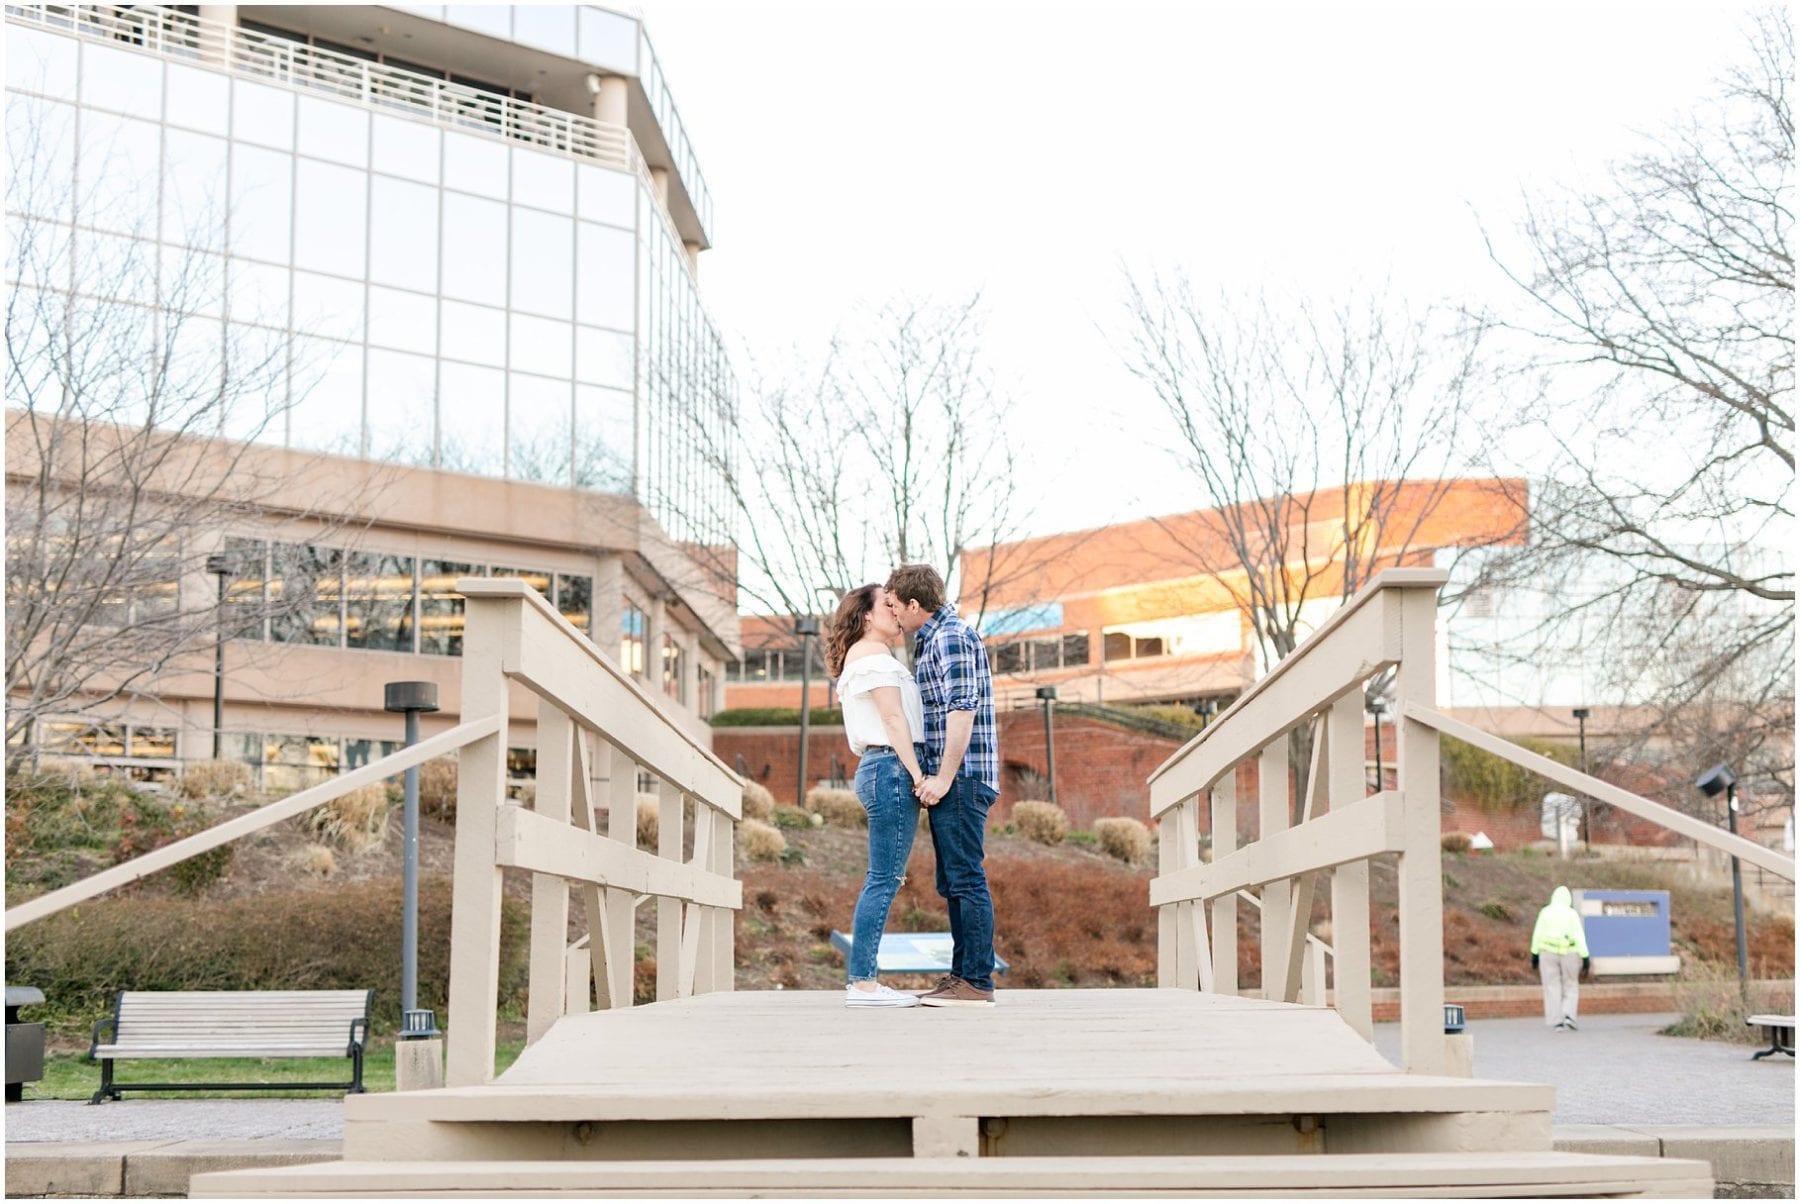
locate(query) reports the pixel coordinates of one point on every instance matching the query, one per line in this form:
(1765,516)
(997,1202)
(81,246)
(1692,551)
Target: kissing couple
(926,738)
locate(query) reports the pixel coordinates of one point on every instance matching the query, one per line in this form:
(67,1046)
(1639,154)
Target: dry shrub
(840,808)
(649,823)
(1042,822)
(1712,1008)
(1123,837)
(313,861)
(437,789)
(354,823)
(345,936)
(762,842)
(215,779)
(1455,842)
(758,802)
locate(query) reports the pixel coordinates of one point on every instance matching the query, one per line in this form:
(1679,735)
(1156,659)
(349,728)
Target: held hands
(1534,961)
(932,790)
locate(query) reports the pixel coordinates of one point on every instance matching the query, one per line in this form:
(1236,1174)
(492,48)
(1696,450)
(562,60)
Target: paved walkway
(174,1119)
(1616,1070)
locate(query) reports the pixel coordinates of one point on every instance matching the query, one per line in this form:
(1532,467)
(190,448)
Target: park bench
(232,1024)
(1778,1030)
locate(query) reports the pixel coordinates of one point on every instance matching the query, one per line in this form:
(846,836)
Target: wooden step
(1349,1175)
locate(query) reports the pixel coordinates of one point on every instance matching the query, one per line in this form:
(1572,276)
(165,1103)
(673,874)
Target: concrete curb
(1746,1161)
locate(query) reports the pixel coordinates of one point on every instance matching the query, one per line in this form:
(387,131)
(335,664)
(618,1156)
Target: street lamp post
(1587,819)
(1718,778)
(1376,707)
(1048,695)
(219,565)
(411,698)
(806,627)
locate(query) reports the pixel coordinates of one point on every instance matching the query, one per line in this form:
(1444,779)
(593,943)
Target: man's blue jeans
(885,790)
(959,833)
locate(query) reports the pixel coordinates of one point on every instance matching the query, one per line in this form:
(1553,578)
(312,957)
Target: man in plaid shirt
(962,767)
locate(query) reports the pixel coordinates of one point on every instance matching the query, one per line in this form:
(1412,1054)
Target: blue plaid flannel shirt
(951,666)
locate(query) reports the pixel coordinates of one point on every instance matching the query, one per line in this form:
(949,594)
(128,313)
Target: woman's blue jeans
(885,790)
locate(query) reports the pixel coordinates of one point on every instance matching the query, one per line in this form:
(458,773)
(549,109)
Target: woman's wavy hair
(847,625)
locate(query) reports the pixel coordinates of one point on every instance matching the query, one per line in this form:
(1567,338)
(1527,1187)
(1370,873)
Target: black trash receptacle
(24,1043)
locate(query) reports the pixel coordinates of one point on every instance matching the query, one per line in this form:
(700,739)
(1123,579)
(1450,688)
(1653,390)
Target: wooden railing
(1391,623)
(596,728)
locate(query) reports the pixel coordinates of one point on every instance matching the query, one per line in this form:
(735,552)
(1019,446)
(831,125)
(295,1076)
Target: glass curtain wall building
(461,239)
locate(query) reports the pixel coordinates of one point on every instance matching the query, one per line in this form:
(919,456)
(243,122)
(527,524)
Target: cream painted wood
(1168,936)
(263,817)
(1606,792)
(1224,909)
(547,989)
(1353,990)
(488,641)
(1421,873)
(696,970)
(1187,852)
(620,911)
(1359,640)
(578,981)
(1194,914)
(557,662)
(724,943)
(1274,818)
(946,1136)
(1367,828)
(586,815)
(526,840)
(1300,907)
(669,840)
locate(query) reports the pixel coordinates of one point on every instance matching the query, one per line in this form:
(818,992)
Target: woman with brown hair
(885,722)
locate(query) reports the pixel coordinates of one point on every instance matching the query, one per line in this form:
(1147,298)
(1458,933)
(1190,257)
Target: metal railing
(170,33)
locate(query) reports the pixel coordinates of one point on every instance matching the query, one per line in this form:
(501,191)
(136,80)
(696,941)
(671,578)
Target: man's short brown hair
(917,583)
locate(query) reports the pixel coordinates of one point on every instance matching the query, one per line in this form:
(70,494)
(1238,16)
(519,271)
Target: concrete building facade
(468,239)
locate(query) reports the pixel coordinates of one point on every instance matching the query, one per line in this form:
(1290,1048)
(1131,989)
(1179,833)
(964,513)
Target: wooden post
(490,640)
(549,893)
(1301,905)
(1194,914)
(589,751)
(668,911)
(1275,814)
(1421,864)
(1345,781)
(1167,931)
(724,975)
(1224,908)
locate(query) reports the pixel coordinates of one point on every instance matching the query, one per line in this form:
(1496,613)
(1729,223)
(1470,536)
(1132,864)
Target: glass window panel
(407,321)
(538,422)
(258,293)
(1046,654)
(1149,646)
(544,181)
(115,267)
(606,274)
(120,162)
(606,196)
(575,600)
(378,601)
(674,665)
(546,26)
(474,249)
(603,439)
(472,414)
(198,100)
(1075,649)
(1117,646)
(634,626)
(42,133)
(335,131)
(608,39)
(330,210)
(441,607)
(188,280)
(304,589)
(406,148)
(152,743)
(540,580)
(403,241)
(542,346)
(327,389)
(196,358)
(261,204)
(1008,657)
(262,114)
(475,165)
(402,408)
(121,81)
(328,307)
(603,357)
(40,62)
(358,753)
(475,333)
(194,188)
(244,613)
(256,360)
(495,20)
(542,260)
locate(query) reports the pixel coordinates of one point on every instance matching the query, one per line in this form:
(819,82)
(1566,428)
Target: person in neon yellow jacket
(1559,954)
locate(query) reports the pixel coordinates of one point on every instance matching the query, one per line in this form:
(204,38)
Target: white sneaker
(881,997)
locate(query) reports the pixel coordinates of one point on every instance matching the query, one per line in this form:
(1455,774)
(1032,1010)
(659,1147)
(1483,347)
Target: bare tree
(130,419)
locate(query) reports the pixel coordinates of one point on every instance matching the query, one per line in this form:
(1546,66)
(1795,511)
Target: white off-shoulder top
(862,722)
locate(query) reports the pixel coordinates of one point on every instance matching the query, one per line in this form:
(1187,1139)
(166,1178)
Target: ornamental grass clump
(649,820)
(437,789)
(1123,837)
(758,802)
(355,823)
(1040,822)
(215,779)
(840,808)
(762,842)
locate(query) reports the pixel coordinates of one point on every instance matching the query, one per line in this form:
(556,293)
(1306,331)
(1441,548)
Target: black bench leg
(106,1083)
(356,1072)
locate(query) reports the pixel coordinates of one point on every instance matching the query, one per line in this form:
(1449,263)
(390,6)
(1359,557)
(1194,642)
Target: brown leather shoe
(943,984)
(958,994)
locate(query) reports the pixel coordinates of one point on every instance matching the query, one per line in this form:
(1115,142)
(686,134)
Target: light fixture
(593,83)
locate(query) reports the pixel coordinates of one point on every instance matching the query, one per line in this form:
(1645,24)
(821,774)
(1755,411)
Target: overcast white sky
(858,150)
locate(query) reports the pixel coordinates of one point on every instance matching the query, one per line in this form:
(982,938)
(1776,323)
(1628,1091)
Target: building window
(1040,654)
(441,607)
(634,630)
(378,602)
(706,693)
(1075,649)
(575,601)
(673,664)
(246,611)
(137,751)
(306,594)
